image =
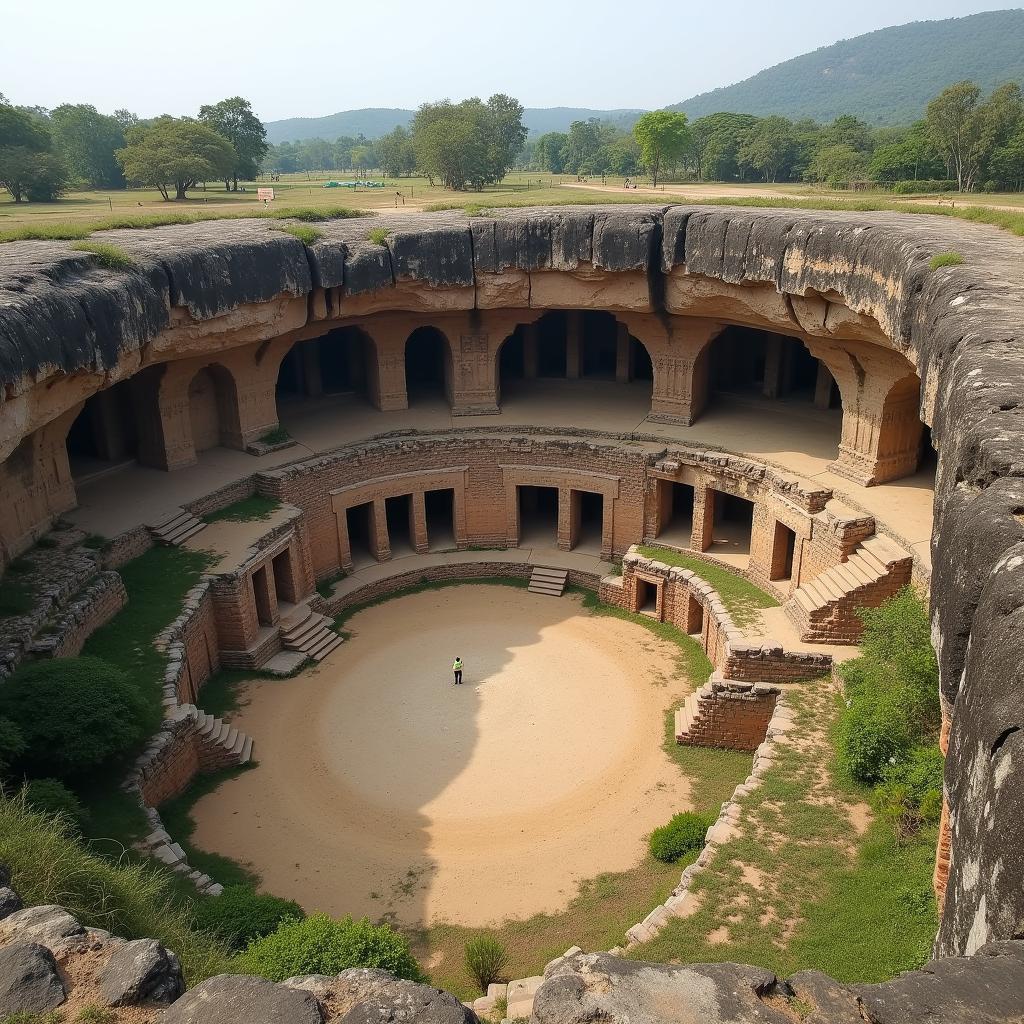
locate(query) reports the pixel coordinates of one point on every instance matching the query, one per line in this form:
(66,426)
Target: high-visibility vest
(457,667)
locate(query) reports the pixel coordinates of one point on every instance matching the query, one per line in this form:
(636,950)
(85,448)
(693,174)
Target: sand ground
(382,789)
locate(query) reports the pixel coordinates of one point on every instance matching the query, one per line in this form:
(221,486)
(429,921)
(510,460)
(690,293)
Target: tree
(714,143)
(395,153)
(75,715)
(126,119)
(908,157)
(837,165)
(28,168)
(768,148)
(87,142)
(956,129)
(172,153)
(234,120)
(1006,166)
(662,135)
(549,152)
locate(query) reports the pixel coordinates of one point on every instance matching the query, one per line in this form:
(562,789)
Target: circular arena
(642,468)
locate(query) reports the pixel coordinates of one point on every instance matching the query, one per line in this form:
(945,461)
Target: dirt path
(384,790)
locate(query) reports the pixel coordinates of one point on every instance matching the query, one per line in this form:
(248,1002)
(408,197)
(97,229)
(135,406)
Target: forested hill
(373,122)
(883,77)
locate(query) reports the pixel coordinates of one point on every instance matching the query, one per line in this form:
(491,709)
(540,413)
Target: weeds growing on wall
(108,256)
(945,259)
(255,507)
(305,233)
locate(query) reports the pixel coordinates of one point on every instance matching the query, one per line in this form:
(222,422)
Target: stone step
(888,552)
(246,756)
(165,519)
(296,637)
(856,567)
(543,572)
(335,641)
(545,588)
(229,740)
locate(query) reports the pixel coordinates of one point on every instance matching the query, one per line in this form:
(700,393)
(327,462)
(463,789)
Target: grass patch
(108,256)
(276,436)
(798,888)
(96,542)
(255,507)
(178,820)
(21,565)
(49,865)
(325,587)
(741,597)
(16,598)
(305,233)
(945,259)
(70,231)
(379,236)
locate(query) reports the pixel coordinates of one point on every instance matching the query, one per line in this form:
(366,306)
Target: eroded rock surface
(29,980)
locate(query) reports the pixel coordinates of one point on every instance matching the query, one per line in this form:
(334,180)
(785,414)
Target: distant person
(457,669)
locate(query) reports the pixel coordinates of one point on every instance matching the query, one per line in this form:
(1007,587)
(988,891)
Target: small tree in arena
(662,135)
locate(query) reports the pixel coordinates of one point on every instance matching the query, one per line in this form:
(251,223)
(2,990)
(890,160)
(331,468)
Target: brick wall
(101,600)
(126,546)
(731,715)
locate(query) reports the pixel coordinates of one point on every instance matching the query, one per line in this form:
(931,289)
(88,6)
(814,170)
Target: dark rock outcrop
(140,972)
(240,999)
(29,980)
(50,925)
(10,902)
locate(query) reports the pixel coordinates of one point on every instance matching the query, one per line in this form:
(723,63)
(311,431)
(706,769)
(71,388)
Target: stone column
(389,391)
(622,367)
(703,518)
(107,426)
(459,515)
(530,351)
(822,387)
(607,527)
(773,360)
(312,380)
(568,518)
(573,344)
(380,540)
(344,543)
(418,523)
(475,372)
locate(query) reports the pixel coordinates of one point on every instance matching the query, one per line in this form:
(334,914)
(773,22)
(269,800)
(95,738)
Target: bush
(239,915)
(910,794)
(52,797)
(15,599)
(945,259)
(682,835)
(322,945)
(906,188)
(74,714)
(12,745)
(869,744)
(486,960)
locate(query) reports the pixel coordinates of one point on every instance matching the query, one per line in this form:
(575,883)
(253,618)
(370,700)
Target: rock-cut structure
(197,336)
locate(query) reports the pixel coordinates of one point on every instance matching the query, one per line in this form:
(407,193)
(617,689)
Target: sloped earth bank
(383,789)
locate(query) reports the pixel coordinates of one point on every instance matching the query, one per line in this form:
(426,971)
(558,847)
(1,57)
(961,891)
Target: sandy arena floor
(382,789)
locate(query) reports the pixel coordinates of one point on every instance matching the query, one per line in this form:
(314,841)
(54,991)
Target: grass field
(534,188)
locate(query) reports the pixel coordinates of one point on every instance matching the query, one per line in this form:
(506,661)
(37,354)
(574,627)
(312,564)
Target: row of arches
(743,363)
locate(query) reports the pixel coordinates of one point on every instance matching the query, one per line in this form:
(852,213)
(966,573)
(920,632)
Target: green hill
(373,122)
(884,77)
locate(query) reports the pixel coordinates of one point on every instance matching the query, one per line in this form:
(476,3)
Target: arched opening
(212,407)
(104,434)
(340,363)
(577,346)
(749,363)
(427,366)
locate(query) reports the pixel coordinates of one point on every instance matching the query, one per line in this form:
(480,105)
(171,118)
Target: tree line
(44,153)
(966,141)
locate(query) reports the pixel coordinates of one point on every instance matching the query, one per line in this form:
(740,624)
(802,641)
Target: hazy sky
(303,58)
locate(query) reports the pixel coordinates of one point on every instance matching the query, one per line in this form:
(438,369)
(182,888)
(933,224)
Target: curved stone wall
(855,288)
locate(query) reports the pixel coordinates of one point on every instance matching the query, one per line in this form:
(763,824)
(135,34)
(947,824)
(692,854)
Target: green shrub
(110,257)
(682,835)
(239,915)
(379,236)
(907,188)
(52,797)
(486,960)
(74,714)
(945,259)
(276,436)
(869,743)
(12,745)
(96,542)
(47,543)
(304,233)
(93,1014)
(15,599)
(20,565)
(322,945)
(910,793)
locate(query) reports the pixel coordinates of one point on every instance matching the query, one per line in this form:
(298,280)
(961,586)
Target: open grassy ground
(812,880)
(534,188)
(742,598)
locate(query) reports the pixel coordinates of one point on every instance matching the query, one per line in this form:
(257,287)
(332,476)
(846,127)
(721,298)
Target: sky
(306,59)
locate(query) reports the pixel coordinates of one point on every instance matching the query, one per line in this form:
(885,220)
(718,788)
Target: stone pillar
(474,376)
(312,379)
(418,523)
(822,387)
(694,614)
(380,539)
(622,367)
(530,351)
(459,516)
(703,518)
(344,543)
(264,595)
(773,361)
(568,518)
(107,426)
(573,344)
(607,527)
(389,391)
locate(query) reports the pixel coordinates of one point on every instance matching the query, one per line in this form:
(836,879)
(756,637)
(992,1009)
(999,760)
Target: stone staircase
(546,580)
(309,633)
(686,717)
(223,745)
(726,714)
(824,610)
(175,527)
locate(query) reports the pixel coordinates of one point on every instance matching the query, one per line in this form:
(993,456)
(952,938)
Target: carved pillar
(622,368)
(703,531)
(474,376)
(573,343)
(388,390)
(568,518)
(823,387)
(607,527)
(344,542)
(418,523)
(380,539)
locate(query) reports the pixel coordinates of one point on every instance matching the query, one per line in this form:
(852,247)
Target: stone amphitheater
(535,393)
